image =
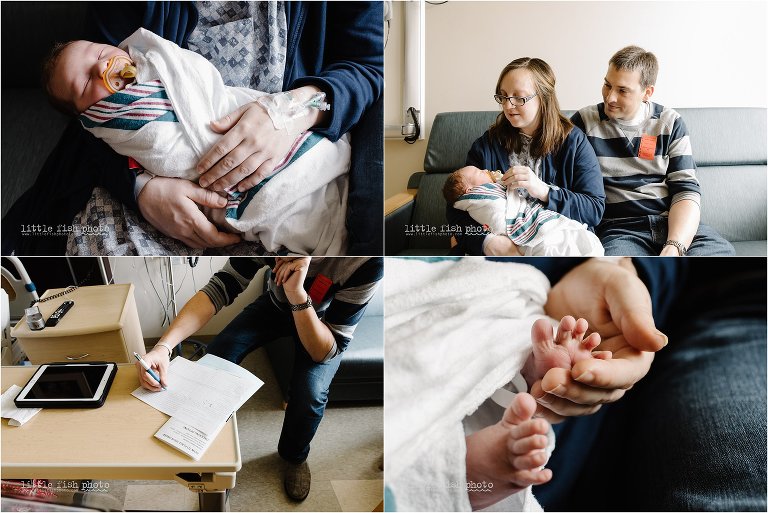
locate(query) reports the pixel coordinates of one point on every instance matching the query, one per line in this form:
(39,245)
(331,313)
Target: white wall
(711,54)
(146,273)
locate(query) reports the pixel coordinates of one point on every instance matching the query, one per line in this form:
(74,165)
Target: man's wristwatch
(302,306)
(681,250)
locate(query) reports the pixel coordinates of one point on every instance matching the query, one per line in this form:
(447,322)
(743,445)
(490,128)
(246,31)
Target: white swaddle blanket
(538,231)
(163,122)
(456,332)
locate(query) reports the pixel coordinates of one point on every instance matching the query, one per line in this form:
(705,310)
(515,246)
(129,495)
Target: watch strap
(681,249)
(302,306)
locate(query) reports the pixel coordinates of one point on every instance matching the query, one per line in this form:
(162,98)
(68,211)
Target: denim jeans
(262,322)
(691,435)
(645,236)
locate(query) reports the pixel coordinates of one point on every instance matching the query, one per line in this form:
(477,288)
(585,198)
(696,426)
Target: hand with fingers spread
(171,206)
(508,456)
(251,146)
(617,306)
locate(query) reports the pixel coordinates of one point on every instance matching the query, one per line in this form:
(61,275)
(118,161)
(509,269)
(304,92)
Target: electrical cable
(149,276)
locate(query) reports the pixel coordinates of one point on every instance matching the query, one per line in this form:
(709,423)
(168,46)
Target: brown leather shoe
(297,480)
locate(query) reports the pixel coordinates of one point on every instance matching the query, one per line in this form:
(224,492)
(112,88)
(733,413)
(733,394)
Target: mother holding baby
(541,151)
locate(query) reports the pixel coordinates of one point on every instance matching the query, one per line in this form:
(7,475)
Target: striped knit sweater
(636,186)
(353,283)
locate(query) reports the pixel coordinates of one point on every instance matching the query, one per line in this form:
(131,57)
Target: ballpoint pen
(148,369)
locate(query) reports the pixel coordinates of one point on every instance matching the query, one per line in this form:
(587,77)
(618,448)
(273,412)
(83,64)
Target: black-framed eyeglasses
(515,101)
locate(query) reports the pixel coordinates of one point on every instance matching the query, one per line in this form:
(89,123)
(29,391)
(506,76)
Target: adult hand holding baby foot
(508,456)
(524,177)
(617,305)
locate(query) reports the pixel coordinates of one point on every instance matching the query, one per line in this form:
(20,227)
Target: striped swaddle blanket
(527,223)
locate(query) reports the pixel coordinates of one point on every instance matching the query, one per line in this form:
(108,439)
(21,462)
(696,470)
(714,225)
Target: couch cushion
(733,201)
(726,136)
(451,138)
(429,212)
(751,248)
(31,128)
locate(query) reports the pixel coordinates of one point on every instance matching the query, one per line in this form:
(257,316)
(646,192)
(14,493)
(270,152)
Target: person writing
(544,155)
(318,302)
(648,168)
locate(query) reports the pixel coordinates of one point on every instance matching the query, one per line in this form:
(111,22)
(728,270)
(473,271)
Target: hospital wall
(149,276)
(711,54)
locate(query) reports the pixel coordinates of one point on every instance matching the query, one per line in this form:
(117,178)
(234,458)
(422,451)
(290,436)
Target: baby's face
(472,176)
(77,78)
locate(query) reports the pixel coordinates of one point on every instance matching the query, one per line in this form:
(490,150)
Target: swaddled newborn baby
(538,231)
(154,103)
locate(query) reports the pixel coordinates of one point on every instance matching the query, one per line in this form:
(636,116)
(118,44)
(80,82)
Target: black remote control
(56,316)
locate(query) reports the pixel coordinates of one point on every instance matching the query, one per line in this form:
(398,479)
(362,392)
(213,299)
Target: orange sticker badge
(647,147)
(319,287)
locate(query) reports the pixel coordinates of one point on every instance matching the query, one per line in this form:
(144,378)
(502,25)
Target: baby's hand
(561,350)
(508,456)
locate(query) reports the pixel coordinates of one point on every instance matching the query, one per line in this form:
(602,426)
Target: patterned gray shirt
(246,41)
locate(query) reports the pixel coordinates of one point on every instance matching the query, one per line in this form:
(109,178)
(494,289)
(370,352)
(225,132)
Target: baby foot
(510,454)
(561,349)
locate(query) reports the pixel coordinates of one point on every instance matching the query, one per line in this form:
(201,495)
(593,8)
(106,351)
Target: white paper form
(200,398)
(198,395)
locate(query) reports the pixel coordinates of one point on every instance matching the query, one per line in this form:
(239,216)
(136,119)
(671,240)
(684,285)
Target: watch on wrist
(681,249)
(302,306)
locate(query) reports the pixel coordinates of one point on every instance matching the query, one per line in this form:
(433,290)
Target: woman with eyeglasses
(542,154)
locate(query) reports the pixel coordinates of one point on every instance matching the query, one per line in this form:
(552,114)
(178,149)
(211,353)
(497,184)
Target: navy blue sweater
(573,169)
(336,46)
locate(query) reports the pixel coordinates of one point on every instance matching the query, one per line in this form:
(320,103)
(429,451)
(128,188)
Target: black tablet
(68,385)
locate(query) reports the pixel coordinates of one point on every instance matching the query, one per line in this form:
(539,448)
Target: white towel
(456,331)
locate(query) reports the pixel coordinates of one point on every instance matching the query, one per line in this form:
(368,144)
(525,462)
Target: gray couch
(729,145)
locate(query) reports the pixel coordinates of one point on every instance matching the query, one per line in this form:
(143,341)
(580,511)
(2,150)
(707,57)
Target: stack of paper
(201,397)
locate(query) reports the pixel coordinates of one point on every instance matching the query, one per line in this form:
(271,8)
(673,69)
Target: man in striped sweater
(652,195)
(317,301)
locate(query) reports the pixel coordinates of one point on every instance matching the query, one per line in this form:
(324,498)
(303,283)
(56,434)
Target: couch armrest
(398,201)
(398,211)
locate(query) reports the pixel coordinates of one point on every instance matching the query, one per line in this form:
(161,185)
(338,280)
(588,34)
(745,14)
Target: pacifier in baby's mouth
(120,72)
